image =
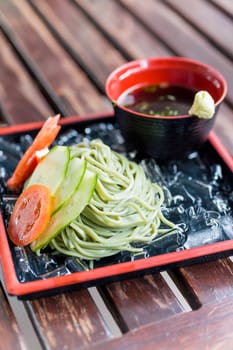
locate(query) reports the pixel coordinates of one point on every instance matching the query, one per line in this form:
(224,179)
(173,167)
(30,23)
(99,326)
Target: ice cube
(205,236)
(226,223)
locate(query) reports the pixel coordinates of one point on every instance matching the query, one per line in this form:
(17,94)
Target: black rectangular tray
(21,267)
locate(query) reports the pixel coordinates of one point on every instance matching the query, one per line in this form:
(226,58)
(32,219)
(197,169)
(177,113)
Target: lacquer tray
(21,268)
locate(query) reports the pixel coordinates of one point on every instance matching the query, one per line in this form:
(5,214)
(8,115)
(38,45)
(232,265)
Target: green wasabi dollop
(203,105)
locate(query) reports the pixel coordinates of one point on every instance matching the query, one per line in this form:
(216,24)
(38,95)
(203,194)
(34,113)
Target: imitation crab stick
(28,162)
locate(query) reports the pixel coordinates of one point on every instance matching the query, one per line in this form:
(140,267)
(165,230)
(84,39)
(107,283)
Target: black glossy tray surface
(198,192)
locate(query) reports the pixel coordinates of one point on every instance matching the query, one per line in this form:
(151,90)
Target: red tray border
(14,287)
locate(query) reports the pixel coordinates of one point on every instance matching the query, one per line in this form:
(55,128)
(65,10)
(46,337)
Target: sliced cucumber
(74,175)
(51,171)
(70,211)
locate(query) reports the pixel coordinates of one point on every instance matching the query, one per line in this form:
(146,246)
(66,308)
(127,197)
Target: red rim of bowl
(138,64)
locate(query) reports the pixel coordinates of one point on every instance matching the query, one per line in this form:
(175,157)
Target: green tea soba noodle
(124,212)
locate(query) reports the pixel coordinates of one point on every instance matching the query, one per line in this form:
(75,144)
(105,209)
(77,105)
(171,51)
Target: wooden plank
(51,64)
(137,302)
(180,36)
(68,321)
(11,339)
(210,281)
(209,327)
(68,21)
(207,18)
(21,100)
(89,47)
(165,18)
(224,5)
(3,115)
(127,34)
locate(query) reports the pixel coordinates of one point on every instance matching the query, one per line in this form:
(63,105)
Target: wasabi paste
(203,105)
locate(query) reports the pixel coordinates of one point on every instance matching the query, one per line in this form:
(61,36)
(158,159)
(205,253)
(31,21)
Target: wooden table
(55,57)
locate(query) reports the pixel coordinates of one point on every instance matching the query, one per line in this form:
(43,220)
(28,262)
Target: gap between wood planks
(175,290)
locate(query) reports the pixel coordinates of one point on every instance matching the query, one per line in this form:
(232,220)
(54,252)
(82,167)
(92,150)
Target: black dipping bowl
(162,137)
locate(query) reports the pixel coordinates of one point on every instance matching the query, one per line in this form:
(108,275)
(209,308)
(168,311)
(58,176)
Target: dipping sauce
(161,100)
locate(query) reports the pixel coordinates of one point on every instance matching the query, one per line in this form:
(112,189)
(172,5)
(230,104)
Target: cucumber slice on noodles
(51,170)
(70,211)
(75,172)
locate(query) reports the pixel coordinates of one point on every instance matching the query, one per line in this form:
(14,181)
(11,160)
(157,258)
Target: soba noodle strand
(124,212)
